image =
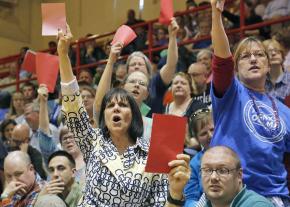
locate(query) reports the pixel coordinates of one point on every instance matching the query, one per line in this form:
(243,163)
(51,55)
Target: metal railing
(151,49)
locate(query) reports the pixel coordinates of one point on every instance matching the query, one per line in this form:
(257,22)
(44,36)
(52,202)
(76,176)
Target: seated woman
(6,129)
(184,105)
(114,153)
(16,110)
(202,125)
(278,79)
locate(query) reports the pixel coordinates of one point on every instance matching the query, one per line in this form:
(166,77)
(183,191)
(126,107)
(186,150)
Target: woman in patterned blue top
(114,153)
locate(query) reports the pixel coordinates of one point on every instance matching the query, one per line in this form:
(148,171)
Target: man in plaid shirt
(23,185)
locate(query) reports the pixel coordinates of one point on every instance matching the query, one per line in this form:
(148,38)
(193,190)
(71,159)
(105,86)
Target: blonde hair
(244,45)
(276,44)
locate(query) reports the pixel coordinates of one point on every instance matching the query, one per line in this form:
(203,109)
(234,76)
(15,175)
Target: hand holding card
(220,5)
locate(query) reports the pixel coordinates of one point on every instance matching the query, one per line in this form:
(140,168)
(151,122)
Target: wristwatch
(174,201)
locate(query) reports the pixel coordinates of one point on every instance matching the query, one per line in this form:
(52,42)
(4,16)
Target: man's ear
(31,167)
(240,174)
(74,171)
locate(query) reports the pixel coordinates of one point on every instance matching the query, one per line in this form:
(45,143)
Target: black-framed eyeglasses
(206,171)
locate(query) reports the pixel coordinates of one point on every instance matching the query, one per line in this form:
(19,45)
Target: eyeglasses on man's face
(206,171)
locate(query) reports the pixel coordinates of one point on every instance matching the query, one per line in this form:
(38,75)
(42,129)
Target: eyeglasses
(134,81)
(67,138)
(219,171)
(87,96)
(273,50)
(137,63)
(257,54)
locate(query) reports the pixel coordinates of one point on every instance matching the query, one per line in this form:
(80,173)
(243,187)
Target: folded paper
(125,35)
(53,18)
(167,140)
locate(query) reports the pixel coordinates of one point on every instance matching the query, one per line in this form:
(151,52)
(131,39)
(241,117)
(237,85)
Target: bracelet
(174,201)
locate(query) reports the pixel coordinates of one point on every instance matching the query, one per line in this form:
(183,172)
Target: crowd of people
(87,143)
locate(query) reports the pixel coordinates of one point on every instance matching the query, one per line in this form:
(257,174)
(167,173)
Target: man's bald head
(197,68)
(21,132)
(17,157)
(222,152)
(18,168)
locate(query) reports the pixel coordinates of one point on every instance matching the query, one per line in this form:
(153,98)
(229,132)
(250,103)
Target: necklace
(260,115)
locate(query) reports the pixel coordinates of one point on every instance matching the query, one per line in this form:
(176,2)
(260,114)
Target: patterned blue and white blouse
(111,179)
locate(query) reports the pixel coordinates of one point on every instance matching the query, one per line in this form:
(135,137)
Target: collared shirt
(246,198)
(281,89)
(74,195)
(25,201)
(112,179)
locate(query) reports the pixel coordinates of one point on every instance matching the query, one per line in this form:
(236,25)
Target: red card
(53,18)
(166,11)
(125,35)
(47,70)
(167,140)
(28,63)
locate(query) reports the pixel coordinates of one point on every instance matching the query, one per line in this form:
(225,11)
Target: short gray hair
(141,55)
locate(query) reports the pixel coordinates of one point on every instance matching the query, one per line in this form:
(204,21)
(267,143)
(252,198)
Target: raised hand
(64,40)
(115,51)
(218,4)
(173,27)
(178,175)
(42,92)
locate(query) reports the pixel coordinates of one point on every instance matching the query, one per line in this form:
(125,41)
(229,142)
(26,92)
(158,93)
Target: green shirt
(74,195)
(247,198)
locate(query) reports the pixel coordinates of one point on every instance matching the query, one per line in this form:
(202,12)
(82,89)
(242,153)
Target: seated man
(221,175)
(62,167)
(20,141)
(23,185)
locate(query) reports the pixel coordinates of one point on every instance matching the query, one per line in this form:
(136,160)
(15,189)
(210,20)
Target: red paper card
(53,18)
(166,11)
(28,63)
(167,140)
(47,70)
(125,35)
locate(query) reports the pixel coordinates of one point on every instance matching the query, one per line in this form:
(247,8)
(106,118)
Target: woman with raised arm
(246,118)
(114,153)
